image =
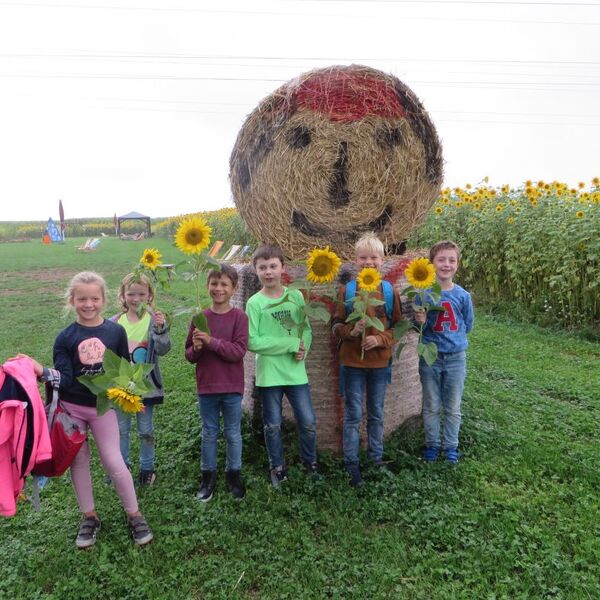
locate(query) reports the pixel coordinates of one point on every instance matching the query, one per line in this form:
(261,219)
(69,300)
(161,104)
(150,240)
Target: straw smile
(301,222)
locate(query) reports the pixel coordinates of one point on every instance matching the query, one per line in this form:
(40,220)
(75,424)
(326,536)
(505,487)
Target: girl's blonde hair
(84,278)
(129,280)
(370,242)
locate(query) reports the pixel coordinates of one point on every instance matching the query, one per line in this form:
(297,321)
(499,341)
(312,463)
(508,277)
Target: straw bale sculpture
(332,154)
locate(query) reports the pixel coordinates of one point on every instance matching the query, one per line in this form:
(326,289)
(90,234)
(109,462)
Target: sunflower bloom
(126,401)
(580,214)
(193,235)
(420,273)
(322,265)
(369,279)
(439,210)
(596,181)
(151,258)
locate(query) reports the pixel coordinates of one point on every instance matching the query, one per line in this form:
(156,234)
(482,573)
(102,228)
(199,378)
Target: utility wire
(78,54)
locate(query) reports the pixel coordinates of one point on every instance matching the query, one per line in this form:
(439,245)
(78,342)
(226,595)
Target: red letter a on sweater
(446,317)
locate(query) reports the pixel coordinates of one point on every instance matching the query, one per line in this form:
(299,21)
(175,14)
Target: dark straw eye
(389,137)
(298,137)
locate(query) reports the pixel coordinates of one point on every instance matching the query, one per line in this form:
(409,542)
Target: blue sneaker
(431,453)
(452,455)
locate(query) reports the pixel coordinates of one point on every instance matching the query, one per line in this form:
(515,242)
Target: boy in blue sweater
(444,381)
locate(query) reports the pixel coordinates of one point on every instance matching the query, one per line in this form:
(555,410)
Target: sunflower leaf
(111,361)
(103,404)
(399,349)
(401,329)
(354,316)
(285,298)
(317,310)
(374,322)
(200,322)
(298,284)
(428,352)
(91,383)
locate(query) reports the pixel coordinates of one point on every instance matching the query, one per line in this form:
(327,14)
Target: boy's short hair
(443,245)
(267,251)
(227,271)
(369,241)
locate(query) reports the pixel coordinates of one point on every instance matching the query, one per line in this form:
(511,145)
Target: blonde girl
(79,350)
(148,338)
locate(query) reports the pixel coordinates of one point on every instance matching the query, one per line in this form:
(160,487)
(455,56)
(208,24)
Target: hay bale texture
(333,154)
(403,399)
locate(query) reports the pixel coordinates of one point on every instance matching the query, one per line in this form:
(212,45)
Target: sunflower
(580,214)
(322,265)
(126,401)
(420,273)
(596,181)
(193,235)
(151,258)
(439,210)
(369,279)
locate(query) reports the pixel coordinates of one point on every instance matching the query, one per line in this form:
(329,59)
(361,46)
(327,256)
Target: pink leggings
(106,435)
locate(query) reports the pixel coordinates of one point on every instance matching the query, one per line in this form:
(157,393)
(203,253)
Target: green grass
(518,518)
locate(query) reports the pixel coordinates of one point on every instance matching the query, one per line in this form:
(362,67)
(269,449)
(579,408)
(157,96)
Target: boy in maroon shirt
(220,380)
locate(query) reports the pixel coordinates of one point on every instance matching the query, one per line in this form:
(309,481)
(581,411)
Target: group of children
(140,334)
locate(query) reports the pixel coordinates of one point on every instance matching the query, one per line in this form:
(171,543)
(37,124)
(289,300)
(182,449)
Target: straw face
(333,154)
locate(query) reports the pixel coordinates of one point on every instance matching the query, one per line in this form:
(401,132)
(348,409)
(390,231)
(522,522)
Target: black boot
(207,486)
(235,485)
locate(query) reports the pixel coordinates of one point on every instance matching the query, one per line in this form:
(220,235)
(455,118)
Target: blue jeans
(443,385)
(211,407)
(145,429)
(356,380)
(301,403)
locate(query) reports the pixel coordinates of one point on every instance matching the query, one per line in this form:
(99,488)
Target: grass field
(518,518)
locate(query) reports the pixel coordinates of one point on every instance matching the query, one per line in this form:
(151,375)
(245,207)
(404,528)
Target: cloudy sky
(120,105)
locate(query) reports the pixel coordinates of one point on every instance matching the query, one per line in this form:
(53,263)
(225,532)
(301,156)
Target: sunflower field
(536,246)
(226,225)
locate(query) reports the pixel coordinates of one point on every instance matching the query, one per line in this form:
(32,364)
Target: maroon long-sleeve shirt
(220,364)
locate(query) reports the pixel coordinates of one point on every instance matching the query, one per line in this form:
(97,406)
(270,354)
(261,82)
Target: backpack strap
(388,296)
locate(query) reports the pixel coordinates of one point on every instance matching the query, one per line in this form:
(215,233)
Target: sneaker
(235,485)
(430,454)
(356,479)
(147,477)
(140,530)
(278,476)
(207,486)
(87,532)
(452,455)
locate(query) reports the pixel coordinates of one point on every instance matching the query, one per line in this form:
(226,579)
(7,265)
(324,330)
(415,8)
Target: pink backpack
(24,438)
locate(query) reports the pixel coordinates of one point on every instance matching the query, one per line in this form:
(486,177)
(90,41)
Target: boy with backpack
(371,373)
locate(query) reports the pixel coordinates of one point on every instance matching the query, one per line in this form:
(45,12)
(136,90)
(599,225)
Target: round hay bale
(333,154)
(403,399)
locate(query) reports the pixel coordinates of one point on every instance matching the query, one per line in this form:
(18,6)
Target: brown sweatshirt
(350,349)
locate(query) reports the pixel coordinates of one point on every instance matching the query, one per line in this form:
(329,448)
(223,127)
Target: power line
(476,84)
(299,58)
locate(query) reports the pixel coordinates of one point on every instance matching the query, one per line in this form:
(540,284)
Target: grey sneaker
(87,532)
(278,476)
(140,531)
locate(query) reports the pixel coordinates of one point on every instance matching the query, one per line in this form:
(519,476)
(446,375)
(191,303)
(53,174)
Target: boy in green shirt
(280,354)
